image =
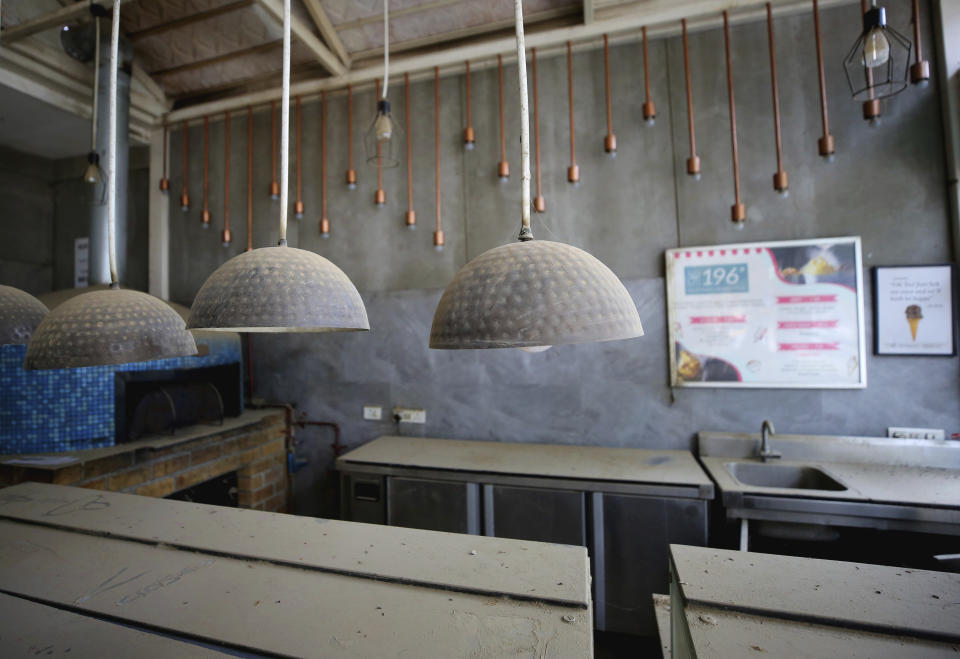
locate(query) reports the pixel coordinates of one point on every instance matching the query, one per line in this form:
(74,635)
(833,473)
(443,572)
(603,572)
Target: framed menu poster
(783,314)
(913,310)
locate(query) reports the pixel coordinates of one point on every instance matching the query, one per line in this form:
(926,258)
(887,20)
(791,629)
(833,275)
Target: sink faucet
(766,429)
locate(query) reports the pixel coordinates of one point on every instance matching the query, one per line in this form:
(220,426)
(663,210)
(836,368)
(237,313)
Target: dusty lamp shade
(279,289)
(878,64)
(20,313)
(532,293)
(110,326)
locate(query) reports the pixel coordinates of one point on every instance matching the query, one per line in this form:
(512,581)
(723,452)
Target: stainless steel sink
(784,476)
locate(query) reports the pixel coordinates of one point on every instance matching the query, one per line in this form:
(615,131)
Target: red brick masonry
(255,450)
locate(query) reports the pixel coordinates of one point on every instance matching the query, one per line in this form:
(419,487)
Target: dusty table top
(266,582)
(591,463)
(917,603)
(874,483)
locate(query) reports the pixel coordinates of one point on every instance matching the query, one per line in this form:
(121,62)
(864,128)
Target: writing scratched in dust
(122,578)
(61,506)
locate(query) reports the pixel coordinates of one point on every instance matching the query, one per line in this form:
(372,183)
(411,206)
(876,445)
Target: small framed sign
(914,310)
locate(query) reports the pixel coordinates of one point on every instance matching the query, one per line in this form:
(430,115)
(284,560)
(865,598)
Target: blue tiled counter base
(72,409)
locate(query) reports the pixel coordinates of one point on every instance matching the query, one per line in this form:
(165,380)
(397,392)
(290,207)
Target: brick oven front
(254,445)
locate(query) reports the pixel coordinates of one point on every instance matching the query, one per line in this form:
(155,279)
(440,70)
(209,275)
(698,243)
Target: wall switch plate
(916,433)
(372,412)
(409,415)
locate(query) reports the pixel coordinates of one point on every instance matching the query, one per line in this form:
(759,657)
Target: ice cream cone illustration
(914,316)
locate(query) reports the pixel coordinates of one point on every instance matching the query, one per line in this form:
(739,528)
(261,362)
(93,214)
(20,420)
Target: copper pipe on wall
(226,238)
(871,107)
(781,183)
(503,169)
(738,212)
(274,186)
(649,109)
(351,172)
(438,240)
(920,71)
(411,214)
(164,182)
(205,216)
(249,178)
(184,197)
(324,222)
(825,144)
(298,206)
(693,162)
(469,138)
(380,196)
(539,204)
(610,141)
(573,172)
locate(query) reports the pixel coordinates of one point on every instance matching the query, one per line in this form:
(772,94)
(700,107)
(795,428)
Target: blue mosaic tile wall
(72,409)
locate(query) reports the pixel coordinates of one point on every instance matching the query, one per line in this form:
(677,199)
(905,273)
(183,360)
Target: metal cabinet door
(631,539)
(433,505)
(362,498)
(532,513)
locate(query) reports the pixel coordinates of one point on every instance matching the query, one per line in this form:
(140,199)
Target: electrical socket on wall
(409,415)
(372,412)
(916,433)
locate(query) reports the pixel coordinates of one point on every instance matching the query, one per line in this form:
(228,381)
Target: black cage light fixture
(384,129)
(878,64)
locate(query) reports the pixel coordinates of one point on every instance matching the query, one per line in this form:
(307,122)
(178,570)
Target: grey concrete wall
(26,221)
(887,185)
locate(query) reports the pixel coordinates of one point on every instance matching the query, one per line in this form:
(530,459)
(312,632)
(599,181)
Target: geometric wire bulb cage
(383,131)
(110,326)
(532,294)
(279,289)
(878,64)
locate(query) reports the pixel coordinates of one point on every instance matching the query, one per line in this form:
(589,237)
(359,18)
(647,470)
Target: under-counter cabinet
(625,505)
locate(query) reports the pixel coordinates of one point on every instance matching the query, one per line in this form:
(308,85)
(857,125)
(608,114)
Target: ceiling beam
(184,21)
(219,59)
(303,32)
(396,13)
(327,31)
(78,10)
(662,17)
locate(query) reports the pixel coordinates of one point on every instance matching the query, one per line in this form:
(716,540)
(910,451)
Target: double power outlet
(400,414)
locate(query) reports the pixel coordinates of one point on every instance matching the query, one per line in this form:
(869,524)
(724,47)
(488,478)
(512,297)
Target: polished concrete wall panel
(26,221)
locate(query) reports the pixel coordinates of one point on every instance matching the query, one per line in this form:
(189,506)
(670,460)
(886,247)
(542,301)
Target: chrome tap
(766,429)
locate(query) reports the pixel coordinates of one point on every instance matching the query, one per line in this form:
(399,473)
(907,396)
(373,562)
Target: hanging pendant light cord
(206,148)
(469,115)
(299,187)
(323,154)
(349,127)
(386,47)
(436,140)
(573,145)
(285,126)
(733,111)
(273,139)
(686,70)
(112,148)
(226,174)
(823,82)
(525,231)
(406,118)
(96,92)
(503,136)
(646,65)
(606,78)
(249,177)
(776,90)
(536,123)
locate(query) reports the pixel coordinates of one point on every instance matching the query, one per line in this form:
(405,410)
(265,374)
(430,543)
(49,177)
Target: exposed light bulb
(351,186)
(325,235)
(438,248)
(875,122)
(204,225)
(384,127)
(91,173)
(411,227)
(696,177)
(831,157)
(468,146)
(876,48)
(738,226)
(651,121)
(784,193)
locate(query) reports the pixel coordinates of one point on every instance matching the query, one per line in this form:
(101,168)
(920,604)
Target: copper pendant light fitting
(274,185)
(738,212)
(380,196)
(693,162)
(205,215)
(649,109)
(298,206)
(411,216)
(610,140)
(351,177)
(825,145)
(226,237)
(438,241)
(573,171)
(503,167)
(539,203)
(249,178)
(324,222)
(184,197)
(920,69)
(164,181)
(780,180)
(469,138)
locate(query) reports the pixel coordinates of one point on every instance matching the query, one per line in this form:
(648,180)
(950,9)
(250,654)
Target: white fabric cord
(112,146)
(96,84)
(524,119)
(285,126)
(386,46)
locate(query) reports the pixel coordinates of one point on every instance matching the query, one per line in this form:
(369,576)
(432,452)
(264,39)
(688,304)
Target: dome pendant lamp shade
(20,313)
(533,293)
(279,289)
(110,326)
